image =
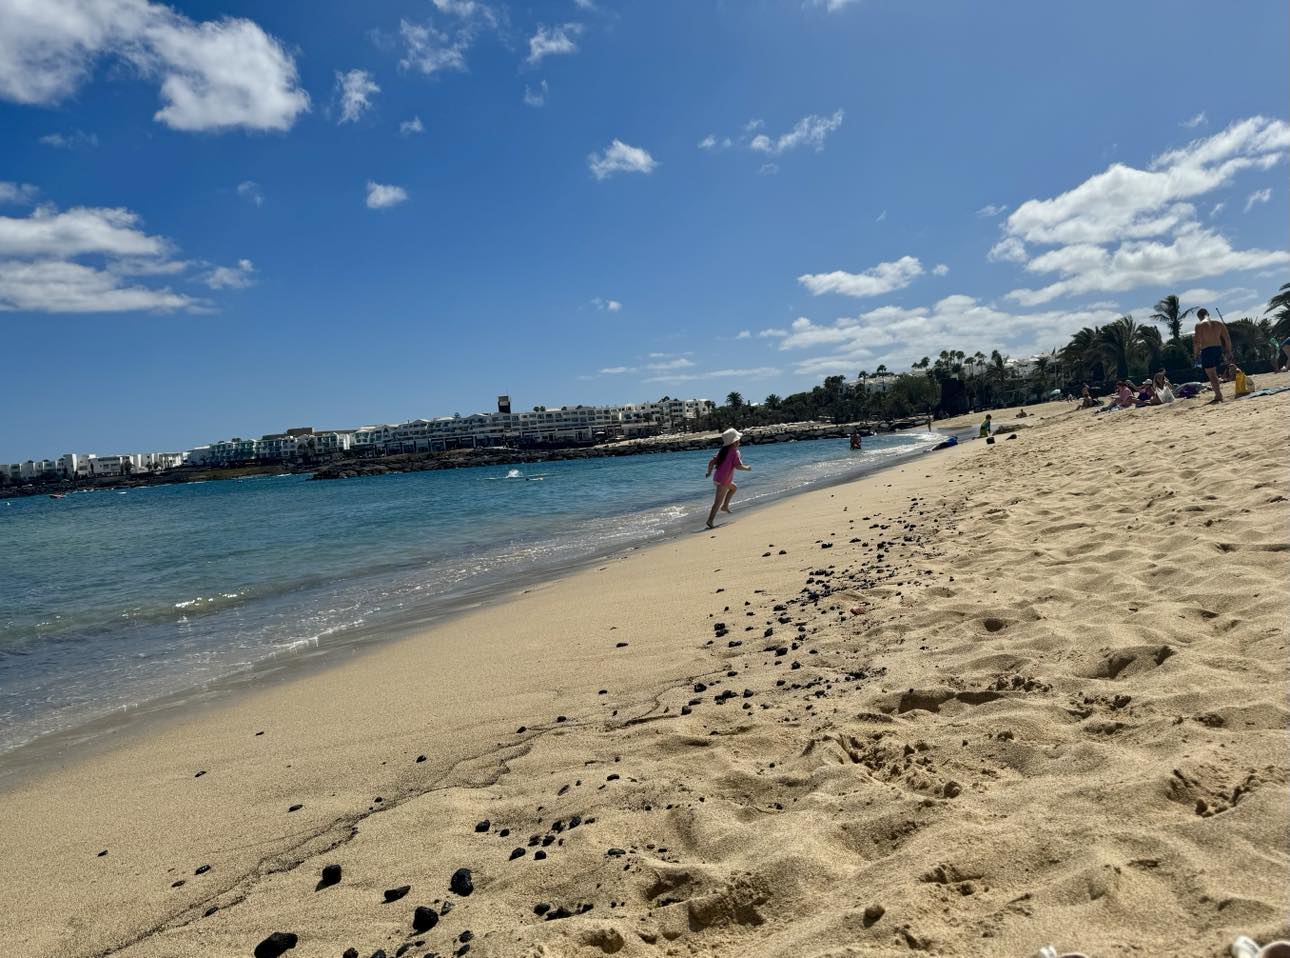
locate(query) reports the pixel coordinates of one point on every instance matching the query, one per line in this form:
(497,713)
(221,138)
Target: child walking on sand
(725,462)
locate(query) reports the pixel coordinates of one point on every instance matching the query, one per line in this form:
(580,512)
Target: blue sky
(225,218)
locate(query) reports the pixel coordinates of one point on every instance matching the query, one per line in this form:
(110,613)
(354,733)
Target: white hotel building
(538,426)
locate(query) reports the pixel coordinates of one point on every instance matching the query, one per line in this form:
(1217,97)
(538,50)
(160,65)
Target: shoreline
(31,757)
(928,709)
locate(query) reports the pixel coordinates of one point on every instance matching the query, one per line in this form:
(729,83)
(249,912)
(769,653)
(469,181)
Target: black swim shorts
(1210,357)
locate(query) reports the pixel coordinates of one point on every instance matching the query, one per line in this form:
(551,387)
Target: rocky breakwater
(350,468)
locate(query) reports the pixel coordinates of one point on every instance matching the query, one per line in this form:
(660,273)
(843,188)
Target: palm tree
(1170,314)
(1121,342)
(1279,307)
(1082,352)
(735,400)
(773,401)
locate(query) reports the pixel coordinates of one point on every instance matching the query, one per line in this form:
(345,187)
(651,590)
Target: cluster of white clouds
(619,157)
(94,260)
(810,131)
(250,191)
(74,140)
(899,335)
(609,305)
(1126,227)
(429,48)
(213,75)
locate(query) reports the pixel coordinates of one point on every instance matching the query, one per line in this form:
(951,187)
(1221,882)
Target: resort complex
(541,426)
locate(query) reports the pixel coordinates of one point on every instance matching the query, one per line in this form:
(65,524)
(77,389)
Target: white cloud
(612,305)
(213,75)
(617,370)
(42,266)
(585,4)
(535,96)
(744,334)
(772,334)
(880,217)
(412,126)
(60,286)
(381,195)
(74,140)
(991,210)
(768,169)
(1127,203)
(759,372)
(899,336)
(1195,253)
(17,193)
(552,41)
(708,142)
(355,89)
(833,6)
(940,269)
(1008,250)
(1258,196)
(1218,208)
(809,131)
(231,277)
(620,158)
(680,362)
(77,232)
(431,49)
(1200,119)
(250,191)
(1105,231)
(883,278)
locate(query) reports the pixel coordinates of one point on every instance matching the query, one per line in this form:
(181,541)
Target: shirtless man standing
(1211,346)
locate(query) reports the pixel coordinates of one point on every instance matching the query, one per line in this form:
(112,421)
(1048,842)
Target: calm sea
(110,599)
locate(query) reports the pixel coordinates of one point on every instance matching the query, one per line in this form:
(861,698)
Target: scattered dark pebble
(200,774)
(202,869)
(294,808)
(872,913)
(461,883)
(539,855)
(394,894)
(420,759)
(330,876)
(101,854)
(210,911)
(276,944)
(483,826)
(517,853)
(423,918)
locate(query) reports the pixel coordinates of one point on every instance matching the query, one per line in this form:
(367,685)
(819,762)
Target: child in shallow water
(724,464)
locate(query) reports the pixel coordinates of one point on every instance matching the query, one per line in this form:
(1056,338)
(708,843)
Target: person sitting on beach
(1162,390)
(724,464)
(1211,344)
(1086,400)
(986,427)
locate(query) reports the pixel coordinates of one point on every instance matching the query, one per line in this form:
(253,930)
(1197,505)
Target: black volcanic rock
(461,883)
(330,876)
(394,894)
(423,918)
(276,944)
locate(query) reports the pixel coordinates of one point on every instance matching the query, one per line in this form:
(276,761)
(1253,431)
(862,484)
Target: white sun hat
(730,436)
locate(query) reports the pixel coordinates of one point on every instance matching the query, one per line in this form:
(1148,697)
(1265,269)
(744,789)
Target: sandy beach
(998,697)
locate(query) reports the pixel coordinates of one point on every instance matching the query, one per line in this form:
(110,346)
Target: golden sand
(1004,696)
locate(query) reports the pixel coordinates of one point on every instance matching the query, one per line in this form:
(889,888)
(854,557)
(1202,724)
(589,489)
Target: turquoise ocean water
(108,600)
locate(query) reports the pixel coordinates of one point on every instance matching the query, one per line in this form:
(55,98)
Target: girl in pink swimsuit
(724,464)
